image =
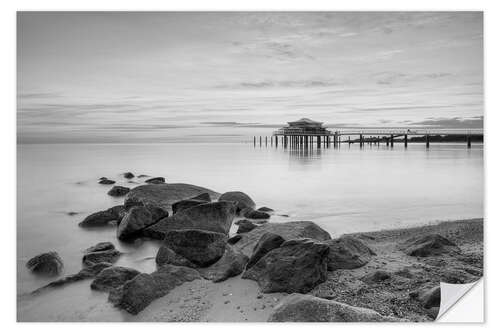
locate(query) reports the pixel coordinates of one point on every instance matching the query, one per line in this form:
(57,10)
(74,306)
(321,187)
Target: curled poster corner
(451,294)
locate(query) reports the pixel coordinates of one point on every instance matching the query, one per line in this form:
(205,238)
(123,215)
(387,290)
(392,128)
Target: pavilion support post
(349,139)
(392,140)
(387,141)
(339,138)
(318,141)
(254,141)
(427,141)
(276,141)
(406,140)
(469,144)
(361,140)
(266,140)
(378,141)
(260,141)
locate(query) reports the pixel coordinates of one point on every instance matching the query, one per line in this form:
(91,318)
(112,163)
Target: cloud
(310,83)
(239,124)
(455,122)
(36,95)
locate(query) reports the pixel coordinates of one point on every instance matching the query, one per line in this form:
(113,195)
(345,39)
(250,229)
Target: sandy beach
(237,299)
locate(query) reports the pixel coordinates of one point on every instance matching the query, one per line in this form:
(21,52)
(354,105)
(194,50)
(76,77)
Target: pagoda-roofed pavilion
(304,126)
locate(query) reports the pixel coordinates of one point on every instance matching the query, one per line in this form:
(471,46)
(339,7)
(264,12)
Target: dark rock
(136,294)
(166,256)
(104,218)
(138,218)
(245,226)
(266,243)
(128,175)
(298,265)
(143,176)
(242,200)
(457,276)
(118,191)
(106,181)
(429,245)
(85,273)
(108,256)
(307,308)
(287,230)
(233,240)
(230,264)
(429,297)
(155,180)
(376,277)
(113,277)
(215,217)
(202,197)
(164,195)
(48,263)
(348,252)
(203,248)
(265,209)
(103,246)
(185,204)
(72,213)
(255,214)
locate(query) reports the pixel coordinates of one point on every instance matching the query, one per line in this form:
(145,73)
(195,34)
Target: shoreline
(240,300)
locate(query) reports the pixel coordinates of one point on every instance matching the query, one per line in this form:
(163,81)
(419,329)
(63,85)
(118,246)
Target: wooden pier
(333,138)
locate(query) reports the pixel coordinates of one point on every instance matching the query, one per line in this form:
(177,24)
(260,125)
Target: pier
(306,133)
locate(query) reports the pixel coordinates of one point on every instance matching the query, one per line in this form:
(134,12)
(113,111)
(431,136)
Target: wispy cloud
(455,122)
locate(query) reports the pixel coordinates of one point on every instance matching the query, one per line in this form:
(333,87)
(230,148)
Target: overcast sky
(114,77)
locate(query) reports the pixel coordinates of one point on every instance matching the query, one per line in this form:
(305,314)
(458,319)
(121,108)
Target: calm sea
(343,190)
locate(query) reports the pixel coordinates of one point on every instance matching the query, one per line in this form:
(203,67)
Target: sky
(199,76)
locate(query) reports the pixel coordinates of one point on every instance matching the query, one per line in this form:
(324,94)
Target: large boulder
(287,230)
(202,248)
(348,252)
(104,218)
(138,218)
(230,264)
(215,217)
(113,277)
(429,245)
(266,243)
(136,294)
(48,263)
(307,308)
(242,200)
(298,265)
(118,191)
(164,195)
